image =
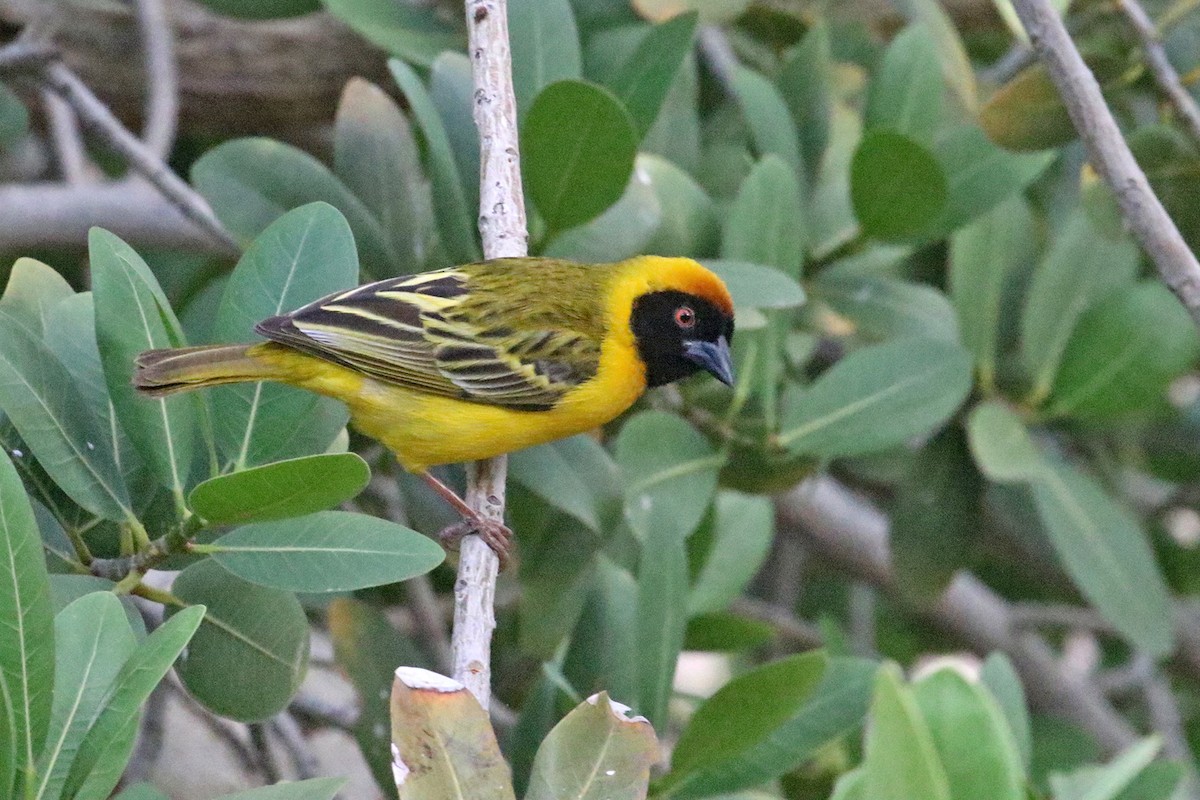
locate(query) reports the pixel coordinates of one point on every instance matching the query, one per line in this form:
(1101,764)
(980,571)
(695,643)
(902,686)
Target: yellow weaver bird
(470,362)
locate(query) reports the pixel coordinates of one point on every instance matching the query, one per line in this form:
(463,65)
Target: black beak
(713,356)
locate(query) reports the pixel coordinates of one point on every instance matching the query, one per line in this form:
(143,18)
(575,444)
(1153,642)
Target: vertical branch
(502,227)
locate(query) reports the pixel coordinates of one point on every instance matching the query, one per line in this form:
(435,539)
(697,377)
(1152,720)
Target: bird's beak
(713,356)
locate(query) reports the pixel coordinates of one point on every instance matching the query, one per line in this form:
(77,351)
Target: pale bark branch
(503,230)
(1156,58)
(162,77)
(1110,155)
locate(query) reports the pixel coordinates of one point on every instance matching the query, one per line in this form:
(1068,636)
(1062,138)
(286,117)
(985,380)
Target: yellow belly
(425,430)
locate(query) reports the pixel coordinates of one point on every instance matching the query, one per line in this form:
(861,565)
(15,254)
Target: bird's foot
(496,535)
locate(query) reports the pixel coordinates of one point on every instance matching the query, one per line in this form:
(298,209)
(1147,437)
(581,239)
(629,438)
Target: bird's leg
(497,535)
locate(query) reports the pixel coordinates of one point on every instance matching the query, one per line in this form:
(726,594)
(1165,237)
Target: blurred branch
(69,152)
(848,530)
(504,233)
(162,77)
(788,626)
(1109,153)
(1036,615)
(291,738)
(1164,74)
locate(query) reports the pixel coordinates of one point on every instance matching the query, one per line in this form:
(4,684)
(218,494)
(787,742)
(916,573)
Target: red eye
(685,317)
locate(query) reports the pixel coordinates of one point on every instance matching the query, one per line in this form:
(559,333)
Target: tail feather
(163,372)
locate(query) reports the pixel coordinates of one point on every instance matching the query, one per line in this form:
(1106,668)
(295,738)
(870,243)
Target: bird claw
(496,535)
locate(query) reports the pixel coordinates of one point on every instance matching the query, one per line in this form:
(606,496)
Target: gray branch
(1164,74)
(162,77)
(1109,153)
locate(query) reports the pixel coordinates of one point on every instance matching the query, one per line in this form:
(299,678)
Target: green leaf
(252,182)
(1000,677)
(109,742)
(971,737)
(132,315)
(304,255)
(375,154)
(26,637)
(1084,264)
(721,632)
(897,186)
(574,475)
(141,791)
(43,403)
(643,81)
(329,551)
(805,83)
(876,398)
(1124,353)
(412,32)
(545,47)
(835,707)
(368,648)
(906,94)
(312,789)
(596,752)
(14,118)
(669,471)
(452,89)
(248,658)
(767,117)
(624,230)
(283,489)
(956,65)
(765,223)
(688,224)
(747,710)
(661,622)
(1001,444)
(33,290)
(444,741)
(1027,113)
(1107,782)
(886,308)
(92,642)
(743,527)
(67,588)
(900,761)
(455,217)
(756,285)
(262,9)
(578,145)
(1105,551)
(985,257)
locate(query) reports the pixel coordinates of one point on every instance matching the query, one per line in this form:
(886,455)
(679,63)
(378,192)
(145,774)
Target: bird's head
(683,324)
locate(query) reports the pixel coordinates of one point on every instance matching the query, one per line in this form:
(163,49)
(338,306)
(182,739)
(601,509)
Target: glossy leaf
(756,285)
(897,186)
(876,398)
(40,398)
(27,637)
(1001,444)
(575,475)
(253,182)
(765,224)
(283,489)
(1107,782)
(578,145)
(900,761)
(985,256)
(375,154)
(805,84)
(596,752)
(1083,264)
(1105,551)
(956,65)
(624,230)
(885,308)
(688,225)
(743,527)
(1027,113)
(92,642)
(643,81)
(98,765)
(452,90)
(767,117)
(67,588)
(1001,679)
(906,93)
(414,33)
(971,737)
(444,741)
(249,656)
(545,46)
(456,219)
(329,551)
(304,255)
(1124,353)
(661,621)
(33,289)
(132,315)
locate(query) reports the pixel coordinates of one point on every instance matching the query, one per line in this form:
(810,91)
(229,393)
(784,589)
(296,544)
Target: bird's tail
(163,372)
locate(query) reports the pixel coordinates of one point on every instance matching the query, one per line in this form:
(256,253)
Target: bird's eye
(685,317)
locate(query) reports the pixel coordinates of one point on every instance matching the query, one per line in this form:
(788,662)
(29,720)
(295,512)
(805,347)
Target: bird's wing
(430,333)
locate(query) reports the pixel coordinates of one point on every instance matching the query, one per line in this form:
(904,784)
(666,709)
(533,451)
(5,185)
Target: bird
(472,361)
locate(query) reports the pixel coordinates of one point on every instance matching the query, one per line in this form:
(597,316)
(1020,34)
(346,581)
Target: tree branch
(162,77)
(1164,74)
(502,227)
(1109,153)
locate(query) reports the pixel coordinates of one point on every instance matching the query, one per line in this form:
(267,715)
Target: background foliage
(938,307)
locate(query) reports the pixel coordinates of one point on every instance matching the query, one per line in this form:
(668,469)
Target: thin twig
(1109,153)
(1164,74)
(790,628)
(263,757)
(69,152)
(504,234)
(162,78)
(288,732)
(1036,615)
